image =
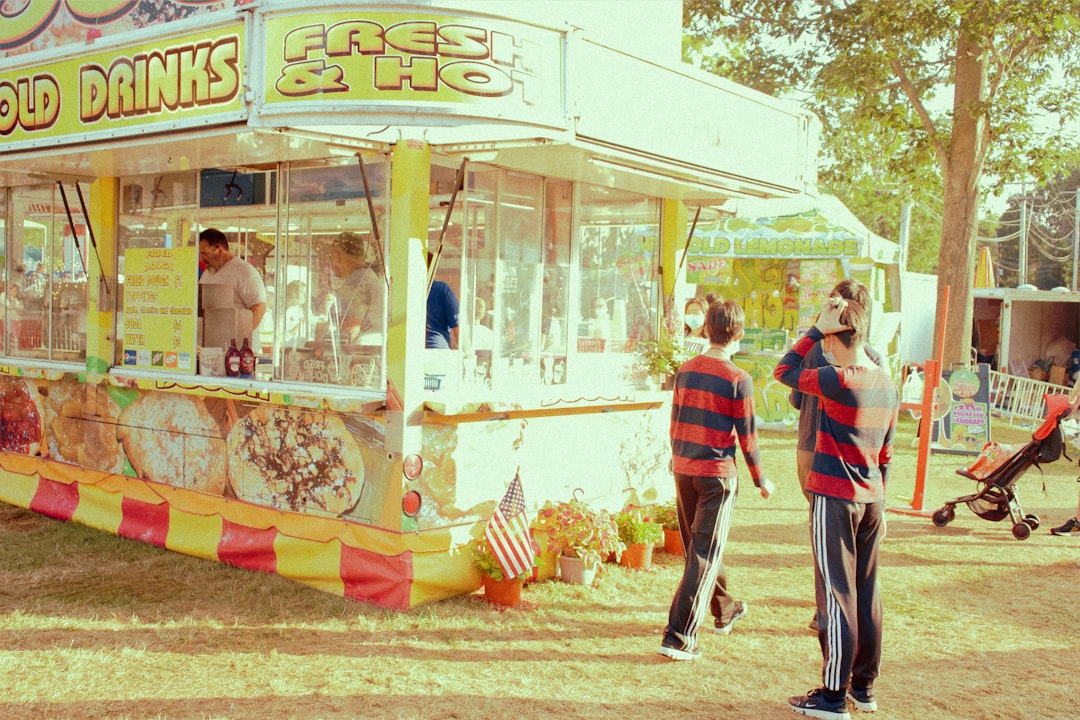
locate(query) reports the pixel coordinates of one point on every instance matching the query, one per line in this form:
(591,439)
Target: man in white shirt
(224,268)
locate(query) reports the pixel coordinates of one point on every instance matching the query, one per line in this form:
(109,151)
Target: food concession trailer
(547,177)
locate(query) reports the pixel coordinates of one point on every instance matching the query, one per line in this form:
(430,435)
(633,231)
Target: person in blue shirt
(442,317)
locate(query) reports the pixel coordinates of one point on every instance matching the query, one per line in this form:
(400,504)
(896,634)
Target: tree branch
(916,102)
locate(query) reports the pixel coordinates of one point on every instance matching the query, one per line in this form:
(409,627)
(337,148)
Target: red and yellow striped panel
(333,555)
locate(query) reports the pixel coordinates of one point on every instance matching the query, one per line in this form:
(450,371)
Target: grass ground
(978,625)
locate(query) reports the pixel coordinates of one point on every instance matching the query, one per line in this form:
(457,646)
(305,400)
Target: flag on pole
(507,532)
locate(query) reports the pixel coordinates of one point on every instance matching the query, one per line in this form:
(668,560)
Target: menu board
(160,308)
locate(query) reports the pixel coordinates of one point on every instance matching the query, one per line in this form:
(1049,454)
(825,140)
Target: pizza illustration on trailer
(295,460)
(22,423)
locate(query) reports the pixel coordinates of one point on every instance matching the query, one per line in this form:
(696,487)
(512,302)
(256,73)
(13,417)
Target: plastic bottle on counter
(232,359)
(247,360)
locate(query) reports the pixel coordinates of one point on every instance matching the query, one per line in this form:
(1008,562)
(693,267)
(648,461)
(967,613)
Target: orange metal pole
(931,380)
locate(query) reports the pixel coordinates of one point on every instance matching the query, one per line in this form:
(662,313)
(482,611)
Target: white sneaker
(674,654)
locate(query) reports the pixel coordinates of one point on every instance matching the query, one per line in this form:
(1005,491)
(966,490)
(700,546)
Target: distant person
(357,307)
(858,405)
(224,268)
(1071,528)
(695,339)
(442,317)
(483,337)
(601,320)
(294,329)
(712,407)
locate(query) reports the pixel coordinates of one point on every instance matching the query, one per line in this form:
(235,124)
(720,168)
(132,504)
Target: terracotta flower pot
(506,592)
(638,556)
(673,542)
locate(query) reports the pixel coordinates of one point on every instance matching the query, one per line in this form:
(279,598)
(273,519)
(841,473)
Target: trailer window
(308,232)
(43,303)
(619,241)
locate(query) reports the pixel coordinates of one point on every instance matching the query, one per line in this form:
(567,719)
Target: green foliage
(635,526)
(667,515)
(575,529)
(880,76)
(662,357)
(487,564)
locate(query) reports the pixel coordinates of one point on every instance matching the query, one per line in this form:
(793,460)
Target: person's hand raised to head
(828,321)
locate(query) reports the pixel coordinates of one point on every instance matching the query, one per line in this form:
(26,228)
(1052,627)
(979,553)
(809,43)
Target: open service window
(284,259)
(557,281)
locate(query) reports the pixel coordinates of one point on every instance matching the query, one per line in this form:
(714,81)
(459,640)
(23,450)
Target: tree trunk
(962,171)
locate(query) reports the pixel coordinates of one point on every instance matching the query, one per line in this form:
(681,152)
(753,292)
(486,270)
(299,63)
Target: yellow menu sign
(160,296)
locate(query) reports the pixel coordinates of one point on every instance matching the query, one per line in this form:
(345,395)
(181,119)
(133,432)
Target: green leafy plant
(636,527)
(662,357)
(667,515)
(488,564)
(575,529)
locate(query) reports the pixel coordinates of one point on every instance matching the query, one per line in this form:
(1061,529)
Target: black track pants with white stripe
(705,507)
(845,537)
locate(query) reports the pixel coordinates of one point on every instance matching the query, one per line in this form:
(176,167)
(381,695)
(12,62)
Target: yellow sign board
(160,322)
(173,82)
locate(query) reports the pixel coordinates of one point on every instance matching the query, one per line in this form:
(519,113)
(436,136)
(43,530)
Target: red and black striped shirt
(713,404)
(857,419)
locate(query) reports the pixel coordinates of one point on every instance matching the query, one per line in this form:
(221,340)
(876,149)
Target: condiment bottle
(247,360)
(232,359)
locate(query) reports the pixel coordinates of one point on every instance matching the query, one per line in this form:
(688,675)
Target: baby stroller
(995,498)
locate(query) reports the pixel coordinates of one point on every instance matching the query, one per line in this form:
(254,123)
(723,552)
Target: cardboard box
(1057,374)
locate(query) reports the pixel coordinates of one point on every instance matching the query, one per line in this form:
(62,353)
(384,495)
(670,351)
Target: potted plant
(498,588)
(639,533)
(580,536)
(662,357)
(668,516)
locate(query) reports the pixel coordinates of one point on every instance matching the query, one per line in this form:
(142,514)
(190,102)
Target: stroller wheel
(1033,521)
(1021,531)
(944,516)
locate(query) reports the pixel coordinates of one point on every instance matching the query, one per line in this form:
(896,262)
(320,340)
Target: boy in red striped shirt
(713,405)
(858,404)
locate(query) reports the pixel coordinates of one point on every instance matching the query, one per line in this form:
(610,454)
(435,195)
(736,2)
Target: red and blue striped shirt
(713,404)
(857,419)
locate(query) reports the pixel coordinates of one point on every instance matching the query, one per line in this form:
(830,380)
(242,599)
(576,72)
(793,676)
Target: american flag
(507,532)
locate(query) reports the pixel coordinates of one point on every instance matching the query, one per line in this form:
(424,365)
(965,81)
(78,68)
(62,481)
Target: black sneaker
(815,704)
(740,613)
(1071,528)
(863,699)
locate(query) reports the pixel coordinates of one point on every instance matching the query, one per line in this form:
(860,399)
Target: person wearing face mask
(857,413)
(694,338)
(807,405)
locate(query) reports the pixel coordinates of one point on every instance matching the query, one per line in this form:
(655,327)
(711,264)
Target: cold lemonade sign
(160,293)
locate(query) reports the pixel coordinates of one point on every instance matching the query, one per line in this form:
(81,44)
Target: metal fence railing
(1019,400)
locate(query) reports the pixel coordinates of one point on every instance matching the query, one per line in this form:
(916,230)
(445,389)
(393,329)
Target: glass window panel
(45,289)
(558,217)
(156,211)
(619,235)
(519,278)
(329,275)
(480,329)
